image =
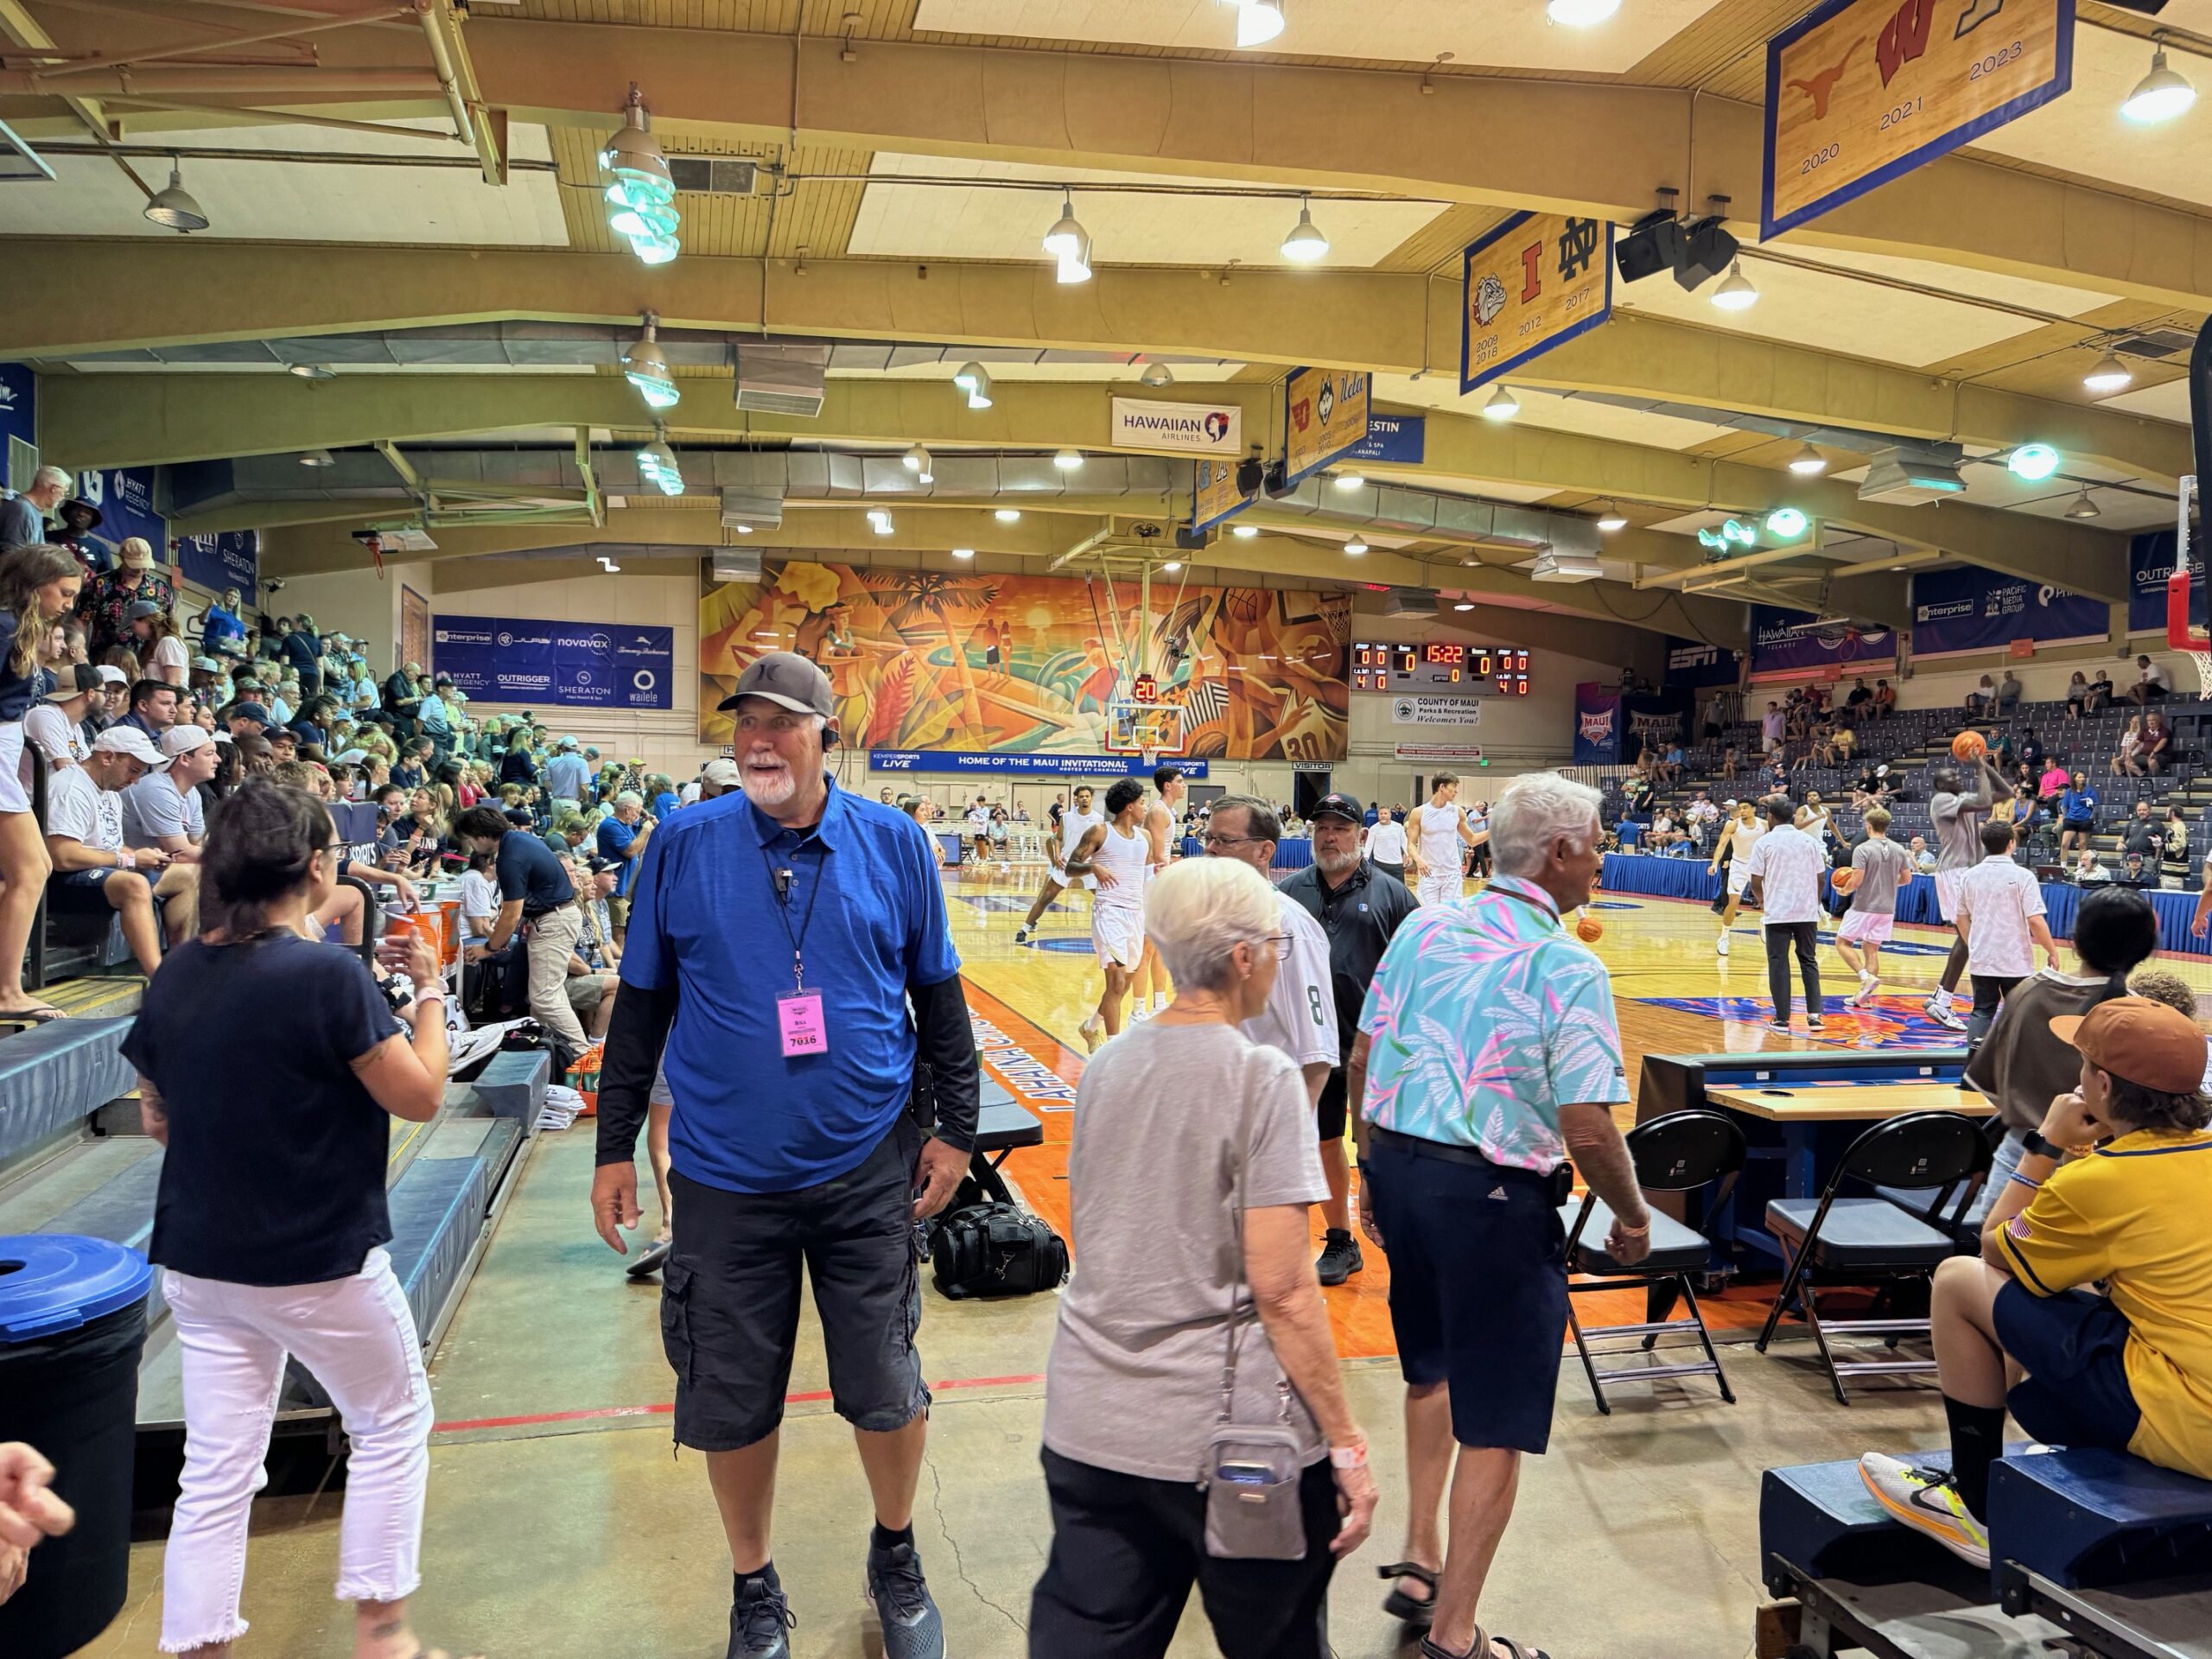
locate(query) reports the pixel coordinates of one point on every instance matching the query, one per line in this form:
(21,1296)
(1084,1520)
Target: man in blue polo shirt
(535,893)
(776,936)
(624,838)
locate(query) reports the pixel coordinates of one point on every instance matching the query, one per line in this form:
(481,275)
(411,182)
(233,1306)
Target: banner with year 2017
(1861,91)
(1536,281)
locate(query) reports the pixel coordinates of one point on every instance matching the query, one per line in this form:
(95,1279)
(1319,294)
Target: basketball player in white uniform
(1118,853)
(1740,835)
(1074,826)
(1160,816)
(1435,834)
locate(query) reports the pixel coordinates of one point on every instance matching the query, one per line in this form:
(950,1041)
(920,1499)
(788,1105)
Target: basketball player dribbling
(1435,833)
(1074,824)
(1119,854)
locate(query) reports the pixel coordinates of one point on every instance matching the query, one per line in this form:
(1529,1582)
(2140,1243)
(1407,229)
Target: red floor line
(812,1396)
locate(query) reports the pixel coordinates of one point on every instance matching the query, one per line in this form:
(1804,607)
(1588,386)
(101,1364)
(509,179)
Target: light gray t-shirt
(153,808)
(1133,1384)
(1881,865)
(1958,820)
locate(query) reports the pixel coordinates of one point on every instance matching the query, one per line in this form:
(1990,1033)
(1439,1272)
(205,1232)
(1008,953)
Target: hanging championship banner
(1861,91)
(1214,495)
(1325,415)
(1537,279)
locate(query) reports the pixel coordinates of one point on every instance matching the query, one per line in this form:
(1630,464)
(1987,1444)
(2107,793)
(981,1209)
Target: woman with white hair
(1184,1116)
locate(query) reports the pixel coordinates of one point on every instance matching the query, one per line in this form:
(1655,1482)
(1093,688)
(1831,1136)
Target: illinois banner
(1325,415)
(1535,280)
(1860,92)
(977,665)
(1596,726)
(1971,609)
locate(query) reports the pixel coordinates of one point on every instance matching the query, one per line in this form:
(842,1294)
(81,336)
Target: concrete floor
(1636,1538)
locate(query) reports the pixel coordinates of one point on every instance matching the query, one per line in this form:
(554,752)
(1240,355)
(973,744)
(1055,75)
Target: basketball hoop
(1150,757)
(2181,634)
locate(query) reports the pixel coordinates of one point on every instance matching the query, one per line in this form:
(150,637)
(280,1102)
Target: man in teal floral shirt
(1488,1055)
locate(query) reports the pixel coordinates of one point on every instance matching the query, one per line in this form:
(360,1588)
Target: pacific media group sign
(561,664)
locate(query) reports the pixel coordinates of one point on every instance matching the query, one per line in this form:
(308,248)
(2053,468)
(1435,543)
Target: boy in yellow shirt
(2114,1188)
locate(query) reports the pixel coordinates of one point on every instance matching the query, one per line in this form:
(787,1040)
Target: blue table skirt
(1291,853)
(1687,877)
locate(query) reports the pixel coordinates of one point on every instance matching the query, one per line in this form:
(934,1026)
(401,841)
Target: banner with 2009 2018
(1861,91)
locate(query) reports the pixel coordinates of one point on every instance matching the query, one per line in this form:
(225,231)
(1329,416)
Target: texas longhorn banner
(1861,91)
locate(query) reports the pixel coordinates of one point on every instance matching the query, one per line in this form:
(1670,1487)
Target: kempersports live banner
(1694,663)
(1050,766)
(1792,642)
(230,559)
(565,664)
(1596,726)
(2150,562)
(1972,609)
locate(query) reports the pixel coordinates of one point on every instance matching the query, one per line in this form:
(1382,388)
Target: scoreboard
(1449,667)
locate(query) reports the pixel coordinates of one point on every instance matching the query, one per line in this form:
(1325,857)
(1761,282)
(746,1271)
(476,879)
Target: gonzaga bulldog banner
(1785,642)
(1596,726)
(1955,612)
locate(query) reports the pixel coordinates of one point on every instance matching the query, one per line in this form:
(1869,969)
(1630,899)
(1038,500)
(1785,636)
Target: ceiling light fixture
(1809,462)
(745,530)
(1787,522)
(641,201)
(175,207)
(1355,546)
(1580,14)
(1350,480)
(1069,244)
(1244,533)
(1156,375)
(1068,459)
(317,458)
(1464,604)
(1612,518)
(2109,375)
(1074,267)
(2033,462)
(1305,244)
(645,366)
(1006,515)
(963,552)
(312,371)
(972,379)
(882,518)
(1258,22)
(657,463)
(916,460)
(1172,566)
(2083,507)
(1736,292)
(2162,94)
(1503,405)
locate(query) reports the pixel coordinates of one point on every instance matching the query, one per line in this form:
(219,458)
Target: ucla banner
(1048,766)
(231,559)
(124,496)
(1793,642)
(2150,562)
(565,664)
(1694,663)
(1324,416)
(1596,726)
(1970,609)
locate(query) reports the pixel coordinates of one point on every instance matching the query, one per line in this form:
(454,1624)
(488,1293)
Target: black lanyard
(1509,892)
(781,880)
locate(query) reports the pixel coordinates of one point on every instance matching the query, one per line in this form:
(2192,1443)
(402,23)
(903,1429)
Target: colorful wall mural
(1029,664)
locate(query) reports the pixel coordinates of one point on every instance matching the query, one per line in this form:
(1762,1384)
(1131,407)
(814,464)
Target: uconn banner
(1970,609)
(2150,562)
(1792,642)
(1596,726)
(567,665)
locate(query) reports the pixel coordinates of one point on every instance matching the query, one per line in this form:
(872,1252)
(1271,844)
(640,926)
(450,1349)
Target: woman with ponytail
(2022,1065)
(38,586)
(270,1226)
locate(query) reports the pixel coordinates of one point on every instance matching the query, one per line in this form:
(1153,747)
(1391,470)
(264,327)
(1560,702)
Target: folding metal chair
(1940,1209)
(1679,1153)
(1838,1241)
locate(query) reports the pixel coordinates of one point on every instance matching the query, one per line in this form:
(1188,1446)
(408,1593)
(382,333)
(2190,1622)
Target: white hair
(51,475)
(1534,813)
(629,798)
(1201,909)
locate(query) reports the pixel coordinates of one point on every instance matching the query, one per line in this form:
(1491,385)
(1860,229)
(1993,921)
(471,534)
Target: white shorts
(1947,893)
(1739,877)
(15,794)
(1117,934)
(659,1095)
(1447,888)
(1866,927)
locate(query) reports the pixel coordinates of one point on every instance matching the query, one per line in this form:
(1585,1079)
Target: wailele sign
(1860,92)
(1325,413)
(1535,280)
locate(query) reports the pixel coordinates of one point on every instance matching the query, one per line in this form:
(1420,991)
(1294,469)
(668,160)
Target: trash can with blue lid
(72,1321)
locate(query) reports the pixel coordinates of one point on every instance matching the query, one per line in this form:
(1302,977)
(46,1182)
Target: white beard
(767,790)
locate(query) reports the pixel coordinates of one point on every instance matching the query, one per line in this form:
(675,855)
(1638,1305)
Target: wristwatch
(2034,1142)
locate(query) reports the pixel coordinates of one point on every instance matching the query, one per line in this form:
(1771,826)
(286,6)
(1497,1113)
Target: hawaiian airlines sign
(1178,429)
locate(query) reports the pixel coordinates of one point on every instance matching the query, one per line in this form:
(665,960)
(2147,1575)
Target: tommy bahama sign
(1861,91)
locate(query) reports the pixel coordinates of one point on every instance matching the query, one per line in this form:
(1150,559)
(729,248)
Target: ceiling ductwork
(1433,515)
(789,380)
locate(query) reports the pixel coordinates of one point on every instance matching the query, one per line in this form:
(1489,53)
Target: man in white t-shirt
(1784,877)
(2150,685)
(2001,919)
(84,839)
(1770,728)
(1073,826)
(1385,845)
(54,729)
(162,809)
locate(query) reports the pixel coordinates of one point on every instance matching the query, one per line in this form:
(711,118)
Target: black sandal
(1398,1604)
(39,1014)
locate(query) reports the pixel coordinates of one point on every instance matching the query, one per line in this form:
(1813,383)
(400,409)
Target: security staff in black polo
(1359,907)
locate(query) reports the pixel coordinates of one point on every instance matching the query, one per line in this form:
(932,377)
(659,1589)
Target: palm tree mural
(913,602)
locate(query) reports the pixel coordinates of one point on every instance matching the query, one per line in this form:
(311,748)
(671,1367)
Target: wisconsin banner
(1596,726)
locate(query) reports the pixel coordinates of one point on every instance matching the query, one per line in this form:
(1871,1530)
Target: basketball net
(1150,757)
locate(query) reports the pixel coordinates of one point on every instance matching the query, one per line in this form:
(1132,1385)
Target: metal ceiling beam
(150,418)
(142,293)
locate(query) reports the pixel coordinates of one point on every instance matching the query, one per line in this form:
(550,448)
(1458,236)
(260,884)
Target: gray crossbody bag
(1252,1474)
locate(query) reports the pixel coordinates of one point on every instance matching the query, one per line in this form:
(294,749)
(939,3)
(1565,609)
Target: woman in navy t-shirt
(269,1223)
(38,586)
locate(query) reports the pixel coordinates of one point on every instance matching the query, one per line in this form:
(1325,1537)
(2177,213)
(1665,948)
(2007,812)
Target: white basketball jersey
(1127,859)
(1439,836)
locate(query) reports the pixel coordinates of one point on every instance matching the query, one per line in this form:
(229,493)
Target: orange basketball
(1846,880)
(1589,930)
(1968,745)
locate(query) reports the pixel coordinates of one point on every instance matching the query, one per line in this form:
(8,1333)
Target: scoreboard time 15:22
(1440,666)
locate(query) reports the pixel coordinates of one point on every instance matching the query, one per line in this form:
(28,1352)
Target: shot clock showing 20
(1441,666)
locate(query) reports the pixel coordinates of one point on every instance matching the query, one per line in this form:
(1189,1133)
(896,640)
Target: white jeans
(358,1337)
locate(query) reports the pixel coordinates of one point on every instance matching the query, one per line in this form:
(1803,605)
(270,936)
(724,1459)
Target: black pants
(1989,990)
(1781,939)
(1395,872)
(1126,1551)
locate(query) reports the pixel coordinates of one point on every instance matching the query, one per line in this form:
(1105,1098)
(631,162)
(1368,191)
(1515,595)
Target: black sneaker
(1021,934)
(1339,1257)
(896,1589)
(760,1620)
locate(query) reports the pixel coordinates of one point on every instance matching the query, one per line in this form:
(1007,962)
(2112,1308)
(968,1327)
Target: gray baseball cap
(785,678)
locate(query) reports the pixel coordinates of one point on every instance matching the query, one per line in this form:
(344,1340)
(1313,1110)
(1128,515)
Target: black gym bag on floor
(995,1250)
